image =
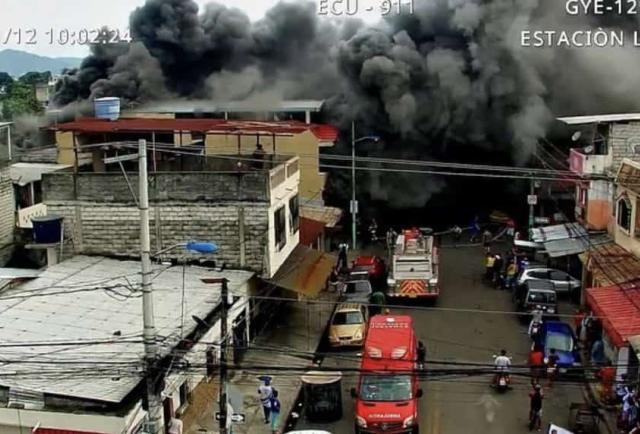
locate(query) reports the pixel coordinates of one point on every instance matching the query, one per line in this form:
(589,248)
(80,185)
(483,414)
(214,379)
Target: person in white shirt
(502,364)
(264,393)
(536,320)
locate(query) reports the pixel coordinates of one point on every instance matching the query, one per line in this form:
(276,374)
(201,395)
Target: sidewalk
(291,343)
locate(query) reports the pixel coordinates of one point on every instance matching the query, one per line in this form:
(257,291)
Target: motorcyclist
(502,364)
(536,324)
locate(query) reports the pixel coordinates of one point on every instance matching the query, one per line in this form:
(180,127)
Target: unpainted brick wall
(7,217)
(624,140)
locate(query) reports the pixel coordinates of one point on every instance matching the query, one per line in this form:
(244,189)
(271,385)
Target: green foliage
(35,78)
(20,99)
(5,79)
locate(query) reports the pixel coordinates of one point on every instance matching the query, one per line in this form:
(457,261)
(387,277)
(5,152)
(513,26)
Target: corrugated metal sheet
(619,311)
(329,215)
(618,117)
(628,175)
(611,265)
(212,126)
(573,246)
(305,271)
(61,431)
(558,232)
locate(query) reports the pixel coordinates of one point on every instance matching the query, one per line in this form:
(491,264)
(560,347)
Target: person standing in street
(535,408)
(275,412)
(342,256)
(489,263)
(377,301)
(497,268)
(486,240)
(475,229)
(265,392)
(512,272)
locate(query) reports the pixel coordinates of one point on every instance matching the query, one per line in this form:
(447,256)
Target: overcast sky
(78,14)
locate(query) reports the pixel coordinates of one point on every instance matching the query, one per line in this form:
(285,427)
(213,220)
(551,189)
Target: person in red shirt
(607,377)
(536,361)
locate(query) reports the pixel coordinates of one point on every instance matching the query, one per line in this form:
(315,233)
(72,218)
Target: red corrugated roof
(310,230)
(61,431)
(619,310)
(94,125)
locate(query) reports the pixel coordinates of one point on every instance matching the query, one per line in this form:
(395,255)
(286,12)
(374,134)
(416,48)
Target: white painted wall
(12,419)
(280,196)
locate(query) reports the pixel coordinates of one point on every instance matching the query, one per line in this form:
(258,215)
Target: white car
(562,281)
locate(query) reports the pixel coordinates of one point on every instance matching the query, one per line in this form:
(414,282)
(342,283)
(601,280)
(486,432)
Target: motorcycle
(502,379)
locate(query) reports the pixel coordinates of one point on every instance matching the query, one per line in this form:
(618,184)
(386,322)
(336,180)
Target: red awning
(619,310)
(310,230)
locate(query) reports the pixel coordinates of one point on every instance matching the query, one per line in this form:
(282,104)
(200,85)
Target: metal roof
(62,305)
(5,124)
(573,246)
(619,310)
(558,232)
(594,119)
(19,273)
(202,106)
(204,126)
(612,265)
(25,173)
(628,175)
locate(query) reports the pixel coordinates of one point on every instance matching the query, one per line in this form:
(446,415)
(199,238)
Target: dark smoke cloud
(450,75)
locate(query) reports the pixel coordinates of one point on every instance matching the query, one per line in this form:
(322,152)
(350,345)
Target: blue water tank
(47,229)
(107,108)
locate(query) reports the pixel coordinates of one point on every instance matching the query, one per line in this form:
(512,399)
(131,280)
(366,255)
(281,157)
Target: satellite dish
(588,149)
(576,136)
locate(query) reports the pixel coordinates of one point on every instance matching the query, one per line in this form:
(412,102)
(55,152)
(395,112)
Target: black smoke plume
(452,77)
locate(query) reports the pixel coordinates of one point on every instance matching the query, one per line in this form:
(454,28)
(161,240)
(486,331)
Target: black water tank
(47,229)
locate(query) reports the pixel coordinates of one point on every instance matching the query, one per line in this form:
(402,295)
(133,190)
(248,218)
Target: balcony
(26,214)
(587,164)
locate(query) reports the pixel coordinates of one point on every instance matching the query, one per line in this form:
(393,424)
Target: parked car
(348,326)
(357,291)
(559,335)
(372,264)
(536,295)
(562,281)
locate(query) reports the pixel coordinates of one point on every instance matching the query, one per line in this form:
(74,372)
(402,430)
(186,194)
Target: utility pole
(155,425)
(354,207)
(223,357)
(532,192)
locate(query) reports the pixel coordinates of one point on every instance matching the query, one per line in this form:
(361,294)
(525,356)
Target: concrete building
(607,140)
(626,226)
(252,213)
(7,216)
(77,365)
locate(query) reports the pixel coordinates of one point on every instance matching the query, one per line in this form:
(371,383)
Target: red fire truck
(414,266)
(388,389)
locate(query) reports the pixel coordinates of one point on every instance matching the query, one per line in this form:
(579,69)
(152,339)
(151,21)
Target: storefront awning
(305,271)
(310,230)
(328,215)
(567,239)
(619,311)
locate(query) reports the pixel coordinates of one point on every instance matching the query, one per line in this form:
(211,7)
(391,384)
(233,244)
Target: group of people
(270,403)
(502,270)
(629,420)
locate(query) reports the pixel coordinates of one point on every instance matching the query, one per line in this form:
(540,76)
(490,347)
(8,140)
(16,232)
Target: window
(559,275)
(559,341)
(385,388)
(624,213)
(280,226)
(294,216)
(541,297)
(538,274)
(348,318)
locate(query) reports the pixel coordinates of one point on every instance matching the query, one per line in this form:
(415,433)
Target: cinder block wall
(624,140)
(7,217)
(104,220)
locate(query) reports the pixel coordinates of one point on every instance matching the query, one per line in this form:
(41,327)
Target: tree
(21,99)
(34,78)
(5,80)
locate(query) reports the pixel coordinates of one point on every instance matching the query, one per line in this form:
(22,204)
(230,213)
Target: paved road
(468,405)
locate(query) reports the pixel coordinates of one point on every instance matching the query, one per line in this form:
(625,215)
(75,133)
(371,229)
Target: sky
(22,17)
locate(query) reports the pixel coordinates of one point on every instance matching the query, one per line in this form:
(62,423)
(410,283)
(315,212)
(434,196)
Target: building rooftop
(203,126)
(78,326)
(595,119)
(202,106)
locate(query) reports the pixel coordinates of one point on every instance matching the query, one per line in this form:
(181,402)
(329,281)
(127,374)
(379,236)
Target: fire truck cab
(388,388)
(414,268)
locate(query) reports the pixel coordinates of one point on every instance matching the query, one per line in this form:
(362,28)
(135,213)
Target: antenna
(576,136)
(588,149)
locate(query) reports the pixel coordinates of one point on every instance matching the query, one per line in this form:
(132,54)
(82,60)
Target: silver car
(562,281)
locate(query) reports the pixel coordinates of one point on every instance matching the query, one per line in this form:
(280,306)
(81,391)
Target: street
(467,405)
